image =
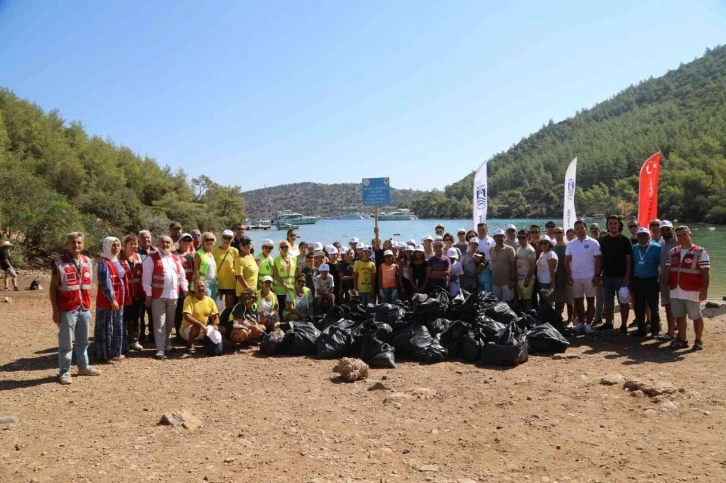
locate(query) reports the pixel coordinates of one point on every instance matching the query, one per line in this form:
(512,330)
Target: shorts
(683,307)
(582,287)
(10,272)
(226,291)
(610,287)
(525,293)
(503,293)
(185,333)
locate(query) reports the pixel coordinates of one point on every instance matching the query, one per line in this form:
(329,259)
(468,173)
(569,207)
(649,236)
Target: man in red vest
(70,298)
(688,274)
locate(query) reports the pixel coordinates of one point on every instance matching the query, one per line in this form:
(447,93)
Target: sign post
(376,192)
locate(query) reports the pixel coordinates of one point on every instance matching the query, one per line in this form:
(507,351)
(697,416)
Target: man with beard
(617,256)
(667,243)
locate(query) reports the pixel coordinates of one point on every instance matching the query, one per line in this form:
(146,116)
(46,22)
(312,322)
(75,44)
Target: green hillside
(315,199)
(682,114)
(56,179)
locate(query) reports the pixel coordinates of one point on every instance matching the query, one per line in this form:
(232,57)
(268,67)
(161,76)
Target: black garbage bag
(271,342)
(388,313)
(353,311)
(470,346)
(413,341)
(435,352)
(545,339)
(300,339)
(437,326)
(383,331)
(509,348)
(334,342)
(417,299)
(528,320)
(486,299)
(377,353)
(442,296)
(452,335)
(489,327)
(552,317)
(501,312)
(462,306)
(333,317)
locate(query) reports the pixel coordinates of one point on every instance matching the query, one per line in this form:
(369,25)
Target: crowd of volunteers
(209,290)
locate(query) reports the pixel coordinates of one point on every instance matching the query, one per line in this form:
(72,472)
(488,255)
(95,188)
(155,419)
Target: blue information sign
(376,191)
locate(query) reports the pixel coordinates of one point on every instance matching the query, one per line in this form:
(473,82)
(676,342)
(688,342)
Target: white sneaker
(89,371)
(135,346)
(579,327)
(588,328)
(160,355)
(65,378)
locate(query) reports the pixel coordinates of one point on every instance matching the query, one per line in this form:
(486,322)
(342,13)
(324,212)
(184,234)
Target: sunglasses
(632,226)
(209,239)
(226,238)
(283,248)
(268,248)
(534,232)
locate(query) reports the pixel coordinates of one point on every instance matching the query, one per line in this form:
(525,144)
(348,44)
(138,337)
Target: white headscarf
(107,244)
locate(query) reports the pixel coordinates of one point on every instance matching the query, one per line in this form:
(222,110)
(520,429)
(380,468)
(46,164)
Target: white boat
(287,216)
(398,215)
(351,216)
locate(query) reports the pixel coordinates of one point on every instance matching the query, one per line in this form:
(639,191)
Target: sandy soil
(285,419)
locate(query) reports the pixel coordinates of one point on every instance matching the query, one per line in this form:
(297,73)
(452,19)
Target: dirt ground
(285,419)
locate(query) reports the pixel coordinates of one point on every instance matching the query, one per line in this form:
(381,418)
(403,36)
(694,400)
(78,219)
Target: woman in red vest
(130,261)
(112,295)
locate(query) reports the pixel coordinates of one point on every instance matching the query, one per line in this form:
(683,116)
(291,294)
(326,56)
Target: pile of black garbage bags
(475,328)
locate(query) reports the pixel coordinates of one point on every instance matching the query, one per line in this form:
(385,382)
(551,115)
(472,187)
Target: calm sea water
(329,231)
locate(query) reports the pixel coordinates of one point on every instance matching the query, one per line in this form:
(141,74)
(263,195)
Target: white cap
(332,250)
(324,267)
(411,242)
(419,248)
(624,295)
(545,238)
(438,242)
(428,238)
(319,254)
(367,248)
(511,227)
(268,243)
(498,231)
(461,230)
(643,230)
(387,252)
(354,240)
(227,233)
(318,247)
(438,237)
(266,278)
(183,235)
(409,248)
(360,246)
(474,240)
(452,253)
(344,250)
(666,224)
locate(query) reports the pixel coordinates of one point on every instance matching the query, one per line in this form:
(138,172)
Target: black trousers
(646,292)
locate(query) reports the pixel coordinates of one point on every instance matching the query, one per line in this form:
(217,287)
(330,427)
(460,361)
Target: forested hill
(314,199)
(57,179)
(682,114)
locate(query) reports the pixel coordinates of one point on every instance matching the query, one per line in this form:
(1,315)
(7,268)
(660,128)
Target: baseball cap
(439,226)
(319,253)
(268,243)
(438,242)
(354,240)
(452,253)
(266,278)
(666,224)
(511,227)
(387,252)
(409,248)
(186,235)
(499,231)
(332,250)
(344,250)
(411,242)
(545,238)
(324,267)
(318,247)
(367,249)
(360,246)
(428,238)
(643,231)
(474,240)
(227,233)
(175,224)
(460,230)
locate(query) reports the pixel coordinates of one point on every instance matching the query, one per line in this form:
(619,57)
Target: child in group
(484,279)
(7,265)
(388,279)
(324,287)
(310,271)
(364,273)
(456,271)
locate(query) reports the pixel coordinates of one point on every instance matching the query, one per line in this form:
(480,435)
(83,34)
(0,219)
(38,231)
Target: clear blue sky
(273,92)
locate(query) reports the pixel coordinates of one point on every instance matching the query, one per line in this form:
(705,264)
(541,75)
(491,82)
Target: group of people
(209,291)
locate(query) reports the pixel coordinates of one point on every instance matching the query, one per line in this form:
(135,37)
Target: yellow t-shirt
(366,271)
(225,269)
(247,268)
(199,309)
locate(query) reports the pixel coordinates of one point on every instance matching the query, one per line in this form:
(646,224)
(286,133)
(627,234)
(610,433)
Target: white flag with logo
(480,195)
(569,215)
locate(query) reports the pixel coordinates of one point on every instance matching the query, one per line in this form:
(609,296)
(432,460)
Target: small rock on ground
(183,419)
(668,406)
(9,421)
(379,386)
(612,379)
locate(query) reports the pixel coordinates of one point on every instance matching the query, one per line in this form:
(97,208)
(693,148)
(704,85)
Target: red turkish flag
(648,190)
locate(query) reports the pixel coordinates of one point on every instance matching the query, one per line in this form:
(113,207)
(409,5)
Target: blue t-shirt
(646,260)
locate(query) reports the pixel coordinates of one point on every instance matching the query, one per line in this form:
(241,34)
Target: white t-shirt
(322,285)
(485,245)
(454,281)
(543,268)
(524,257)
(677,293)
(583,254)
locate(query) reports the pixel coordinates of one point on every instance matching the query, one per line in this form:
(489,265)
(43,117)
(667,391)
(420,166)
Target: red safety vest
(686,273)
(187,261)
(74,290)
(133,276)
(157,276)
(119,285)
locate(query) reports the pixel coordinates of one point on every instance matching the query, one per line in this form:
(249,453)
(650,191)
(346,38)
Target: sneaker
(579,327)
(160,355)
(119,358)
(678,343)
(89,371)
(588,328)
(65,378)
(698,345)
(606,326)
(135,346)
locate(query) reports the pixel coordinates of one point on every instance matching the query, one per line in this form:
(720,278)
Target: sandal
(698,345)
(679,343)
(664,338)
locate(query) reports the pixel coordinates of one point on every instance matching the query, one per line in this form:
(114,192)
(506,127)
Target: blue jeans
(73,323)
(387,295)
(367,298)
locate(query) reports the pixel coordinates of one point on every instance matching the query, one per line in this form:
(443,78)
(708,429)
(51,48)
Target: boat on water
(258,224)
(352,216)
(398,215)
(286,226)
(287,216)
